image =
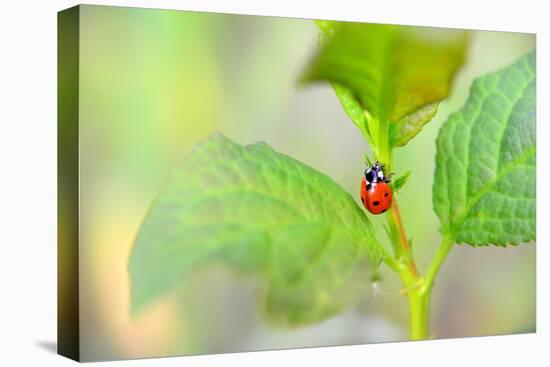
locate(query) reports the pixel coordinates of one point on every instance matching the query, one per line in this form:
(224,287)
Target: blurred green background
(155,82)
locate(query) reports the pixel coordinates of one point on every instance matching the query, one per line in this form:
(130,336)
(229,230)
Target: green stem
(419,313)
(419,294)
(389,260)
(442,251)
(403,248)
(417,288)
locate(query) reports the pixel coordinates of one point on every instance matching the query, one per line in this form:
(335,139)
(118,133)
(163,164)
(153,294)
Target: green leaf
(263,213)
(397,74)
(484,189)
(352,108)
(409,126)
(398,183)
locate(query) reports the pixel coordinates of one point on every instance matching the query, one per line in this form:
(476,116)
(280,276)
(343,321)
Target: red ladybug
(376,194)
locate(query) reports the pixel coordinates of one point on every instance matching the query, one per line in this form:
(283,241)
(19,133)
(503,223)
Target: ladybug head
(375,174)
(371,175)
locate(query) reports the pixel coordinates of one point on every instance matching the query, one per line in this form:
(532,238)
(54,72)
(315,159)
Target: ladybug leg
(387,179)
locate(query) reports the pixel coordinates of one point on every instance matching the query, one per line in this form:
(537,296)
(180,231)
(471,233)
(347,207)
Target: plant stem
(419,296)
(417,288)
(389,260)
(418,293)
(419,313)
(405,248)
(442,251)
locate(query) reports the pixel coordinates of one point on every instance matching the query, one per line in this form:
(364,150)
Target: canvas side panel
(68,325)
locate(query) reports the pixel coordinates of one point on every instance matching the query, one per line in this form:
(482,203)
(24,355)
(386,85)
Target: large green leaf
(484,189)
(262,213)
(397,74)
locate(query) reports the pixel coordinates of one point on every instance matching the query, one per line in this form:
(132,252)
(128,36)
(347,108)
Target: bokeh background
(155,82)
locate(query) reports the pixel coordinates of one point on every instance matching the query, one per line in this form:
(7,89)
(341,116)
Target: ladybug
(376,194)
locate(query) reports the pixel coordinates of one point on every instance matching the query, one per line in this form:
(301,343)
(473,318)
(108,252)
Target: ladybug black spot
(376,203)
(386,194)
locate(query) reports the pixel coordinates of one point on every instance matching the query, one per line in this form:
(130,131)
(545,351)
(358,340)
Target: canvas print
(233,183)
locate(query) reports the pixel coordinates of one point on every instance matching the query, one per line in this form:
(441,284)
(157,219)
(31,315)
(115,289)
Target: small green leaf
(399,182)
(409,126)
(397,74)
(484,189)
(262,213)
